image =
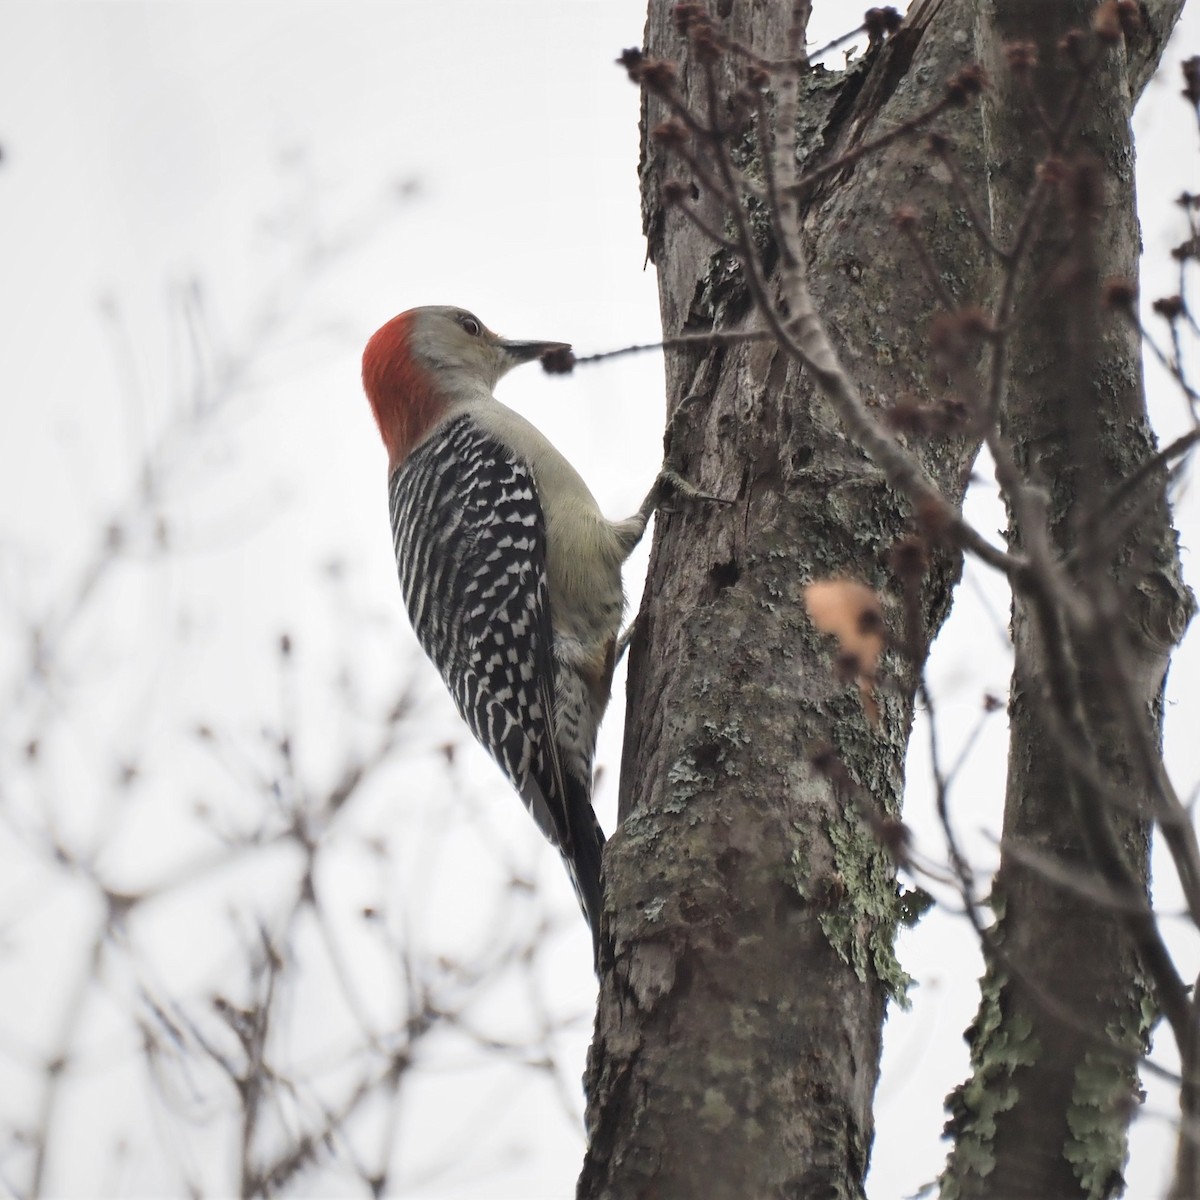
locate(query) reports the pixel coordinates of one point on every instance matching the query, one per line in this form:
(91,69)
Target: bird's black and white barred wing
(470,541)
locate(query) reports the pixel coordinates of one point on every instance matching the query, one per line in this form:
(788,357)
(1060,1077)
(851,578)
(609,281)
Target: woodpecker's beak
(522,352)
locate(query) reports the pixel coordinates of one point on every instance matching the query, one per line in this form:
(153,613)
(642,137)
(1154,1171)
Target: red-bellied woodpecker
(511,574)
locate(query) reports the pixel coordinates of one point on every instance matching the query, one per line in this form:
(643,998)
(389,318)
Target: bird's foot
(671,484)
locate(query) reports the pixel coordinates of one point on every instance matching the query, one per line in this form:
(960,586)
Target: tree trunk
(1065,1008)
(750,909)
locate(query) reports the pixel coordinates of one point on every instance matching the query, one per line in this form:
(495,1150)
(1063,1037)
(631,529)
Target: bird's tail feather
(584,855)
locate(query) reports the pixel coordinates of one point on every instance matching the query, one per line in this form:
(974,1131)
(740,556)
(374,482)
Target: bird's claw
(626,637)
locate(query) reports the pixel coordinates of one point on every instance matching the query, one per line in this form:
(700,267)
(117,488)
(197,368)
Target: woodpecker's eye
(471,325)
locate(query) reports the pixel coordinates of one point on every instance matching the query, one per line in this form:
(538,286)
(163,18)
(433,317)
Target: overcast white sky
(479,154)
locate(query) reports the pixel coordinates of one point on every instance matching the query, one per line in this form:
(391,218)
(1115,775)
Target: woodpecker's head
(420,362)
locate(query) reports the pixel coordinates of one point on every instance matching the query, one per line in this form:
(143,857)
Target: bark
(1065,1005)
(1143,57)
(750,911)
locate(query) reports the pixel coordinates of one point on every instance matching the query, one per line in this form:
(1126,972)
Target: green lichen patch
(1000,1044)
(862,927)
(1098,1116)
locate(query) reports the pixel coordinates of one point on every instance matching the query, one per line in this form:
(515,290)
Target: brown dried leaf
(851,612)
